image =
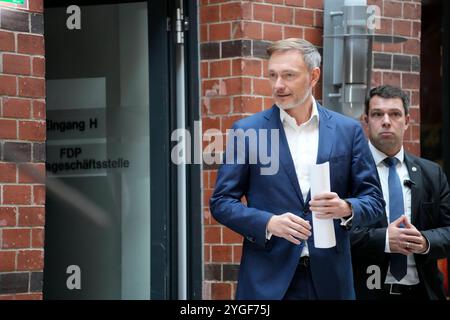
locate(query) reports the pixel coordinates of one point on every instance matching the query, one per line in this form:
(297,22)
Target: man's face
(386,124)
(290,78)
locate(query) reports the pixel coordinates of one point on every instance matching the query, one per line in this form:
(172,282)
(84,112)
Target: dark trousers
(301,287)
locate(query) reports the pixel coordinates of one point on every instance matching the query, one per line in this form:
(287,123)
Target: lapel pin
(414,169)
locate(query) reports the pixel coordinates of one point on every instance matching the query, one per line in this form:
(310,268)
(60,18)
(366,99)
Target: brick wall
(22,151)
(233,38)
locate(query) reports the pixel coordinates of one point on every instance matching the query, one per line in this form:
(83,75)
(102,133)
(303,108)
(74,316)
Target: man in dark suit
(396,258)
(279,258)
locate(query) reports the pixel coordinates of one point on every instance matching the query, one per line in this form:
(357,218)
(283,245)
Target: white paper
(323,229)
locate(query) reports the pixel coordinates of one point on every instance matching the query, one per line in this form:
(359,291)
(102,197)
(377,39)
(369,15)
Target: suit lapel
(414,175)
(285,155)
(326,134)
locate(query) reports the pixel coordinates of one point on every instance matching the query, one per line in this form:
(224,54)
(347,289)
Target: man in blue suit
(279,258)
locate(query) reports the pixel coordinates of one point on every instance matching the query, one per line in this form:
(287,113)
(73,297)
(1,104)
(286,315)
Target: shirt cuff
(268,235)
(347,222)
(387,249)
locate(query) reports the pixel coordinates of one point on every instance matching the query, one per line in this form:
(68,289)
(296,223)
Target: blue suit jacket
(267,267)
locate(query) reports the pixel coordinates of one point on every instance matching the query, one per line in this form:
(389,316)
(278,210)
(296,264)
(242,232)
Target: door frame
(162,93)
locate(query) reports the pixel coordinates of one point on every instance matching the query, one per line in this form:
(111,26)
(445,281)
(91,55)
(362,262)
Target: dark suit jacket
(430,214)
(267,267)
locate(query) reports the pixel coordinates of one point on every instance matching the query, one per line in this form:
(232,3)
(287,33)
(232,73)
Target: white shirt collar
(379,156)
(286,118)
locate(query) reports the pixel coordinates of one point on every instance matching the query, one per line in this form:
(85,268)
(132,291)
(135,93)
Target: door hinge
(181,25)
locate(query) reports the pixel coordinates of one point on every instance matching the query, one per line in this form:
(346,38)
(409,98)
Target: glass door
(103,238)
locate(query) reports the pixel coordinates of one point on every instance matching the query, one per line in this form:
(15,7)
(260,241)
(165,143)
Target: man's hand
(405,240)
(290,227)
(328,205)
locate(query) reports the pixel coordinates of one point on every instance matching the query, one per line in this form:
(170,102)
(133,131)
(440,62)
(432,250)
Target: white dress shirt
(303,141)
(411,277)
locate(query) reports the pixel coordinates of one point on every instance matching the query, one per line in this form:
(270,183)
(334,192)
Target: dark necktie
(396,209)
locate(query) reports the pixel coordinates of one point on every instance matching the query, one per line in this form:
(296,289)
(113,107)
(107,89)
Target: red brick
(204,69)
(209,14)
(314,36)
(402,28)
(17,194)
(39,110)
(36,5)
(415,100)
(28,296)
(31,216)
(32,87)
(219,31)
(410,81)
(247,67)
(237,253)
(412,46)
(210,123)
(293,32)
(221,253)
(392,47)
(262,12)
(392,9)
(38,67)
(30,260)
(231,11)
(237,30)
(391,78)
(230,237)
(221,68)
(385,26)
(416,29)
(32,130)
(16,238)
(268,103)
(318,19)
(37,238)
(221,291)
(16,64)
(294,3)
(212,178)
(411,11)
(207,193)
(415,132)
(8,129)
(7,217)
(7,297)
(31,44)
(272,32)
(316,4)
(252,30)
(212,87)
(283,15)
(8,173)
(219,105)
(16,108)
(304,17)
(274,1)
(212,234)
(233,86)
(248,104)
(412,147)
(7,261)
(7,42)
(376,79)
(204,33)
(262,87)
(8,85)
(206,253)
(39,195)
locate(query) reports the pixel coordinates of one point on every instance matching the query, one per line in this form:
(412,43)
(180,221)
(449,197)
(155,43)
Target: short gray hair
(311,55)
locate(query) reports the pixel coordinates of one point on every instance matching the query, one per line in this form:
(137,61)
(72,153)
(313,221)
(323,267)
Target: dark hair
(388,92)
